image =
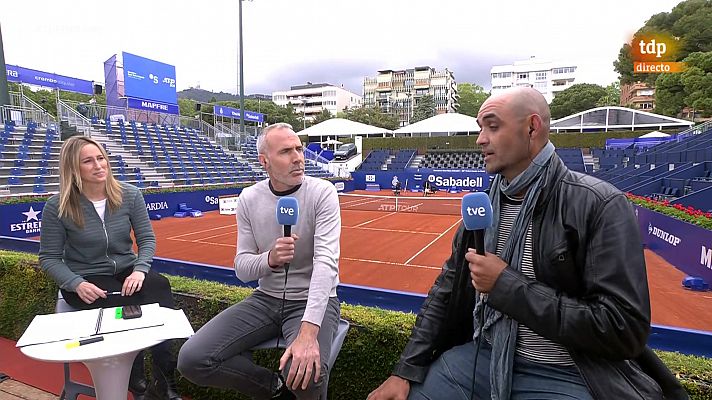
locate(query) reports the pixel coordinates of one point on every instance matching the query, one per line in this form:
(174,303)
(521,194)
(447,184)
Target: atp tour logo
(665,236)
(31,225)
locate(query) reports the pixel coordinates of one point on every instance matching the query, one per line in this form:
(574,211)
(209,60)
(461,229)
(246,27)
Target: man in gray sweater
(302,306)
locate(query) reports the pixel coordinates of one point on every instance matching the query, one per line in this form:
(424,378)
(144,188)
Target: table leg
(111,375)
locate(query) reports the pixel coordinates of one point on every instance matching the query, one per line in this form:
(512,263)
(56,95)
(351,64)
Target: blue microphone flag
(476,211)
(287,211)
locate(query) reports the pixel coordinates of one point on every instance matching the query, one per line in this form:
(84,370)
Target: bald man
(558,306)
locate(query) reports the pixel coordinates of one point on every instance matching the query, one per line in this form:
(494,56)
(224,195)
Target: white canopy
(442,123)
(655,134)
(342,127)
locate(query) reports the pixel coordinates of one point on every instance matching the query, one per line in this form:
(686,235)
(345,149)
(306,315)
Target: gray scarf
(500,330)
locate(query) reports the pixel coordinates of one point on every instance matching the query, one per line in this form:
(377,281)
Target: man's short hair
(261,138)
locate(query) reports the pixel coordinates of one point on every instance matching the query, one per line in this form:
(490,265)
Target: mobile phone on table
(130,312)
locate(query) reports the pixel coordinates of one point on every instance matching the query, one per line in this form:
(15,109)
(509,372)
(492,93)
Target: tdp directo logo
(31,225)
(665,236)
(655,53)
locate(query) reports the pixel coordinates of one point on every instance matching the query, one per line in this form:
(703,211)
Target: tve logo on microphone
(476,211)
(287,211)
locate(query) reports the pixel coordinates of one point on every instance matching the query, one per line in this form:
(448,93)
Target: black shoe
(137,380)
(164,368)
(282,393)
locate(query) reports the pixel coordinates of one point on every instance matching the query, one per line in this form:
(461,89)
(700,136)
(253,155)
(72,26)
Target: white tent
(446,124)
(654,134)
(336,127)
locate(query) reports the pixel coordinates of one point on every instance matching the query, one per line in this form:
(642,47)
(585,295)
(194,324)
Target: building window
(541,76)
(523,75)
(646,106)
(564,70)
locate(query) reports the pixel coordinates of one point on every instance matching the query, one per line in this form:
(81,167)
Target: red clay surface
(405,251)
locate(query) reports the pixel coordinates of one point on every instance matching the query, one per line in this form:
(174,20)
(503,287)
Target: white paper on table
(54,327)
(151,315)
(82,324)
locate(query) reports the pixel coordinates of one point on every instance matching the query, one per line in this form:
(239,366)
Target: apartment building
(311,99)
(638,95)
(548,77)
(397,91)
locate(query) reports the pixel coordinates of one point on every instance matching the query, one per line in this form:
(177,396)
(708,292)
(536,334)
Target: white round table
(108,361)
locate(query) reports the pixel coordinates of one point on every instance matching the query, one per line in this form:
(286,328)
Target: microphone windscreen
(476,211)
(287,211)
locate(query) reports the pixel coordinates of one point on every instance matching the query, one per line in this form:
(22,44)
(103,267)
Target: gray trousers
(219,355)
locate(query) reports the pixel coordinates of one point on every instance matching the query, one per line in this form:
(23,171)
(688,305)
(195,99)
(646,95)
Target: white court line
(390,230)
(201,242)
(374,220)
(214,236)
(434,240)
(390,263)
(204,230)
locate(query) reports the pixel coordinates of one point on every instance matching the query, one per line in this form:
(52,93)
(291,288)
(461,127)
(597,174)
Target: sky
(291,42)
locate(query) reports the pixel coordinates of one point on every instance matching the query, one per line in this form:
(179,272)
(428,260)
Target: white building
(398,91)
(548,77)
(310,99)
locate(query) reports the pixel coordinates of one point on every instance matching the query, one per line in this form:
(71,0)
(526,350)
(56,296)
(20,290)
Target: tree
(697,82)
(323,116)
(669,94)
(371,116)
(577,98)
(424,109)
(612,96)
(471,98)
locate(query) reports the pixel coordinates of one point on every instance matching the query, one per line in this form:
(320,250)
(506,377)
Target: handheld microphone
(477,216)
(287,215)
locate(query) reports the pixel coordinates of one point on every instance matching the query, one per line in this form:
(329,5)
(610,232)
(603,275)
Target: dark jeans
(219,355)
(450,377)
(155,289)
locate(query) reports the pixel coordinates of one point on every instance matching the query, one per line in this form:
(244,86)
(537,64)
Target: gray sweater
(314,271)
(69,253)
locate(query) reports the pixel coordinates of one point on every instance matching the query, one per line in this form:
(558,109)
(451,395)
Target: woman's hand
(89,292)
(133,283)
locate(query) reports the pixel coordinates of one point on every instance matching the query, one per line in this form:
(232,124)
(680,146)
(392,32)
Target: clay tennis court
(403,246)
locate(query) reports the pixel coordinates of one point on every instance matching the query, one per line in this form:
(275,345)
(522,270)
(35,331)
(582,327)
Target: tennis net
(401,204)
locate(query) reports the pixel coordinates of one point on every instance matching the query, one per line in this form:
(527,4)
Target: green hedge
(422,144)
(370,350)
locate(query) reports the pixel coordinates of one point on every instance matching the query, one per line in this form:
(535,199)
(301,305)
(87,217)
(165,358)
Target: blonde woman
(86,247)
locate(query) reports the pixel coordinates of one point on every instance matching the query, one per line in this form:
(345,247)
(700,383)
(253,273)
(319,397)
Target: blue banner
(688,247)
(440,179)
(148,79)
(61,82)
(25,220)
(155,106)
(229,112)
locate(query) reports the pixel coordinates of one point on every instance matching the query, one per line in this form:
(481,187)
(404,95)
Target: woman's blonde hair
(70,180)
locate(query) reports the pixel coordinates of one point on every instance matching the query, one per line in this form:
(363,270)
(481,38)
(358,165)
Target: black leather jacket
(590,295)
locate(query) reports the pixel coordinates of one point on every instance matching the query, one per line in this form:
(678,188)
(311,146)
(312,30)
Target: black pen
(82,342)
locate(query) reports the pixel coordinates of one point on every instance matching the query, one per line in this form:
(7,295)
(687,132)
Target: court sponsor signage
(21,220)
(234,113)
(33,77)
(686,246)
(156,106)
(468,180)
